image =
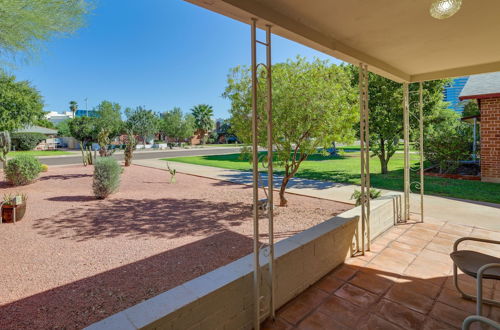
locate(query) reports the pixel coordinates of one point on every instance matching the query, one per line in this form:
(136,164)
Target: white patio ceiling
(396,38)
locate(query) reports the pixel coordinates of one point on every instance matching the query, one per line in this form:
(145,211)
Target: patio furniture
(477,318)
(478,265)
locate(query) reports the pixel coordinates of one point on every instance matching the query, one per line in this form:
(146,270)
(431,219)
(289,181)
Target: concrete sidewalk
(486,215)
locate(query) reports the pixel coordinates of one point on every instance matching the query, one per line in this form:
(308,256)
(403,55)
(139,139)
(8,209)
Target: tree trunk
(83,154)
(283,201)
(383,165)
(384,160)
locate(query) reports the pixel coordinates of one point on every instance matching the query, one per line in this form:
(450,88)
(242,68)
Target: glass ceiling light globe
(442,9)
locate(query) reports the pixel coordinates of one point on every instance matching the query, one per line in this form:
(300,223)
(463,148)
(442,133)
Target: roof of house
(482,86)
(396,38)
(37,129)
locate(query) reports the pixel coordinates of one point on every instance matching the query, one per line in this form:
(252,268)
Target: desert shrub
(374,193)
(107,173)
(22,169)
(26,141)
(447,146)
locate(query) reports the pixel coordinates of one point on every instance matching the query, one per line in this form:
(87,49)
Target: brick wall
(490,139)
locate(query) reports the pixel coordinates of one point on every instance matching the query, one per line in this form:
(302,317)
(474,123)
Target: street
(77,159)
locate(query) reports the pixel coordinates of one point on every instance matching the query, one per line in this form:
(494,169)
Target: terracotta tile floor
(404,283)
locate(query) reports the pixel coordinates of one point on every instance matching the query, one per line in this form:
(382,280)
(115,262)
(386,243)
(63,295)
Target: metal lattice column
(421,128)
(365,157)
(258,298)
(406,134)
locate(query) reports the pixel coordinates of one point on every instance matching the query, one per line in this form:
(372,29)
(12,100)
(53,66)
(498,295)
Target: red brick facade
(490,139)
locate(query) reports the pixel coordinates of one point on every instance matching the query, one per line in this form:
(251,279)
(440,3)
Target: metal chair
(478,265)
(481,319)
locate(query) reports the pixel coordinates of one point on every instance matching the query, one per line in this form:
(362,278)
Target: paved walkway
(405,282)
(486,215)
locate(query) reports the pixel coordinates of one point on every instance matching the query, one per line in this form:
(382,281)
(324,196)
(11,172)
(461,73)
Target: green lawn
(346,168)
(39,153)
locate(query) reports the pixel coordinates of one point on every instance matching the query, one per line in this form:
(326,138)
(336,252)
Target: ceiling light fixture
(442,9)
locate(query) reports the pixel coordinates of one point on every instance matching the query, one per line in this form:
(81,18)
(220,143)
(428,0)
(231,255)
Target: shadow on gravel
(72,199)
(83,302)
(64,177)
(166,217)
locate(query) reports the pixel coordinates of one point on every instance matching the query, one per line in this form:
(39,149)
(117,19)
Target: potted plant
(11,202)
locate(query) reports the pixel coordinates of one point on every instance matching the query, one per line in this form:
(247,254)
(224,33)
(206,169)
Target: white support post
(421,126)
(270,174)
(255,171)
(406,134)
(365,157)
(255,168)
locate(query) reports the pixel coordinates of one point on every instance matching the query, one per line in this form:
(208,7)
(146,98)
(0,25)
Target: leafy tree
(63,128)
(447,145)
(225,130)
(73,106)
(203,122)
(313,105)
(177,125)
(109,118)
(44,122)
(20,103)
(25,23)
(84,130)
(386,111)
(142,122)
(471,108)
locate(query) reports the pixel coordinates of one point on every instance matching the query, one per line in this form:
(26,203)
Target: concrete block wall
(223,298)
(490,139)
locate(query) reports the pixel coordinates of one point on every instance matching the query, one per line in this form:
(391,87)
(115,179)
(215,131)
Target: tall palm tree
(73,106)
(203,122)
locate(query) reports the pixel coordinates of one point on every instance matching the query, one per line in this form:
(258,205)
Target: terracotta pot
(8,211)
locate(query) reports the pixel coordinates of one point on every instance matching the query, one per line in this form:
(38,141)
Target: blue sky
(153,53)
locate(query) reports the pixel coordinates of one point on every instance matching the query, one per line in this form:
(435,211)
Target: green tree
(203,122)
(84,130)
(177,125)
(44,122)
(20,103)
(386,111)
(109,118)
(73,106)
(24,24)
(63,128)
(313,105)
(471,108)
(142,122)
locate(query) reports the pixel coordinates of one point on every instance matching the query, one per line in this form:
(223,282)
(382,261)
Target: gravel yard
(74,260)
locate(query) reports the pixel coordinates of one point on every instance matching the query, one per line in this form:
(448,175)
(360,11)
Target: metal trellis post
(406,133)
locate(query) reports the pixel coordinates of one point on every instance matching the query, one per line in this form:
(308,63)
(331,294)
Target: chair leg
(468,296)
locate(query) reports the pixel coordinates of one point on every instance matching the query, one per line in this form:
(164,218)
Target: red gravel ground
(74,260)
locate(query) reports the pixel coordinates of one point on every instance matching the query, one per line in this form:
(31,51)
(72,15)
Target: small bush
(44,168)
(374,193)
(26,141)
(22,169)
(107,173)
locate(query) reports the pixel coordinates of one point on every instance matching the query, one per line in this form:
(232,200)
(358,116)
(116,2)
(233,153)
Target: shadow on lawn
(166,217)
(88,300)
(296,182)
